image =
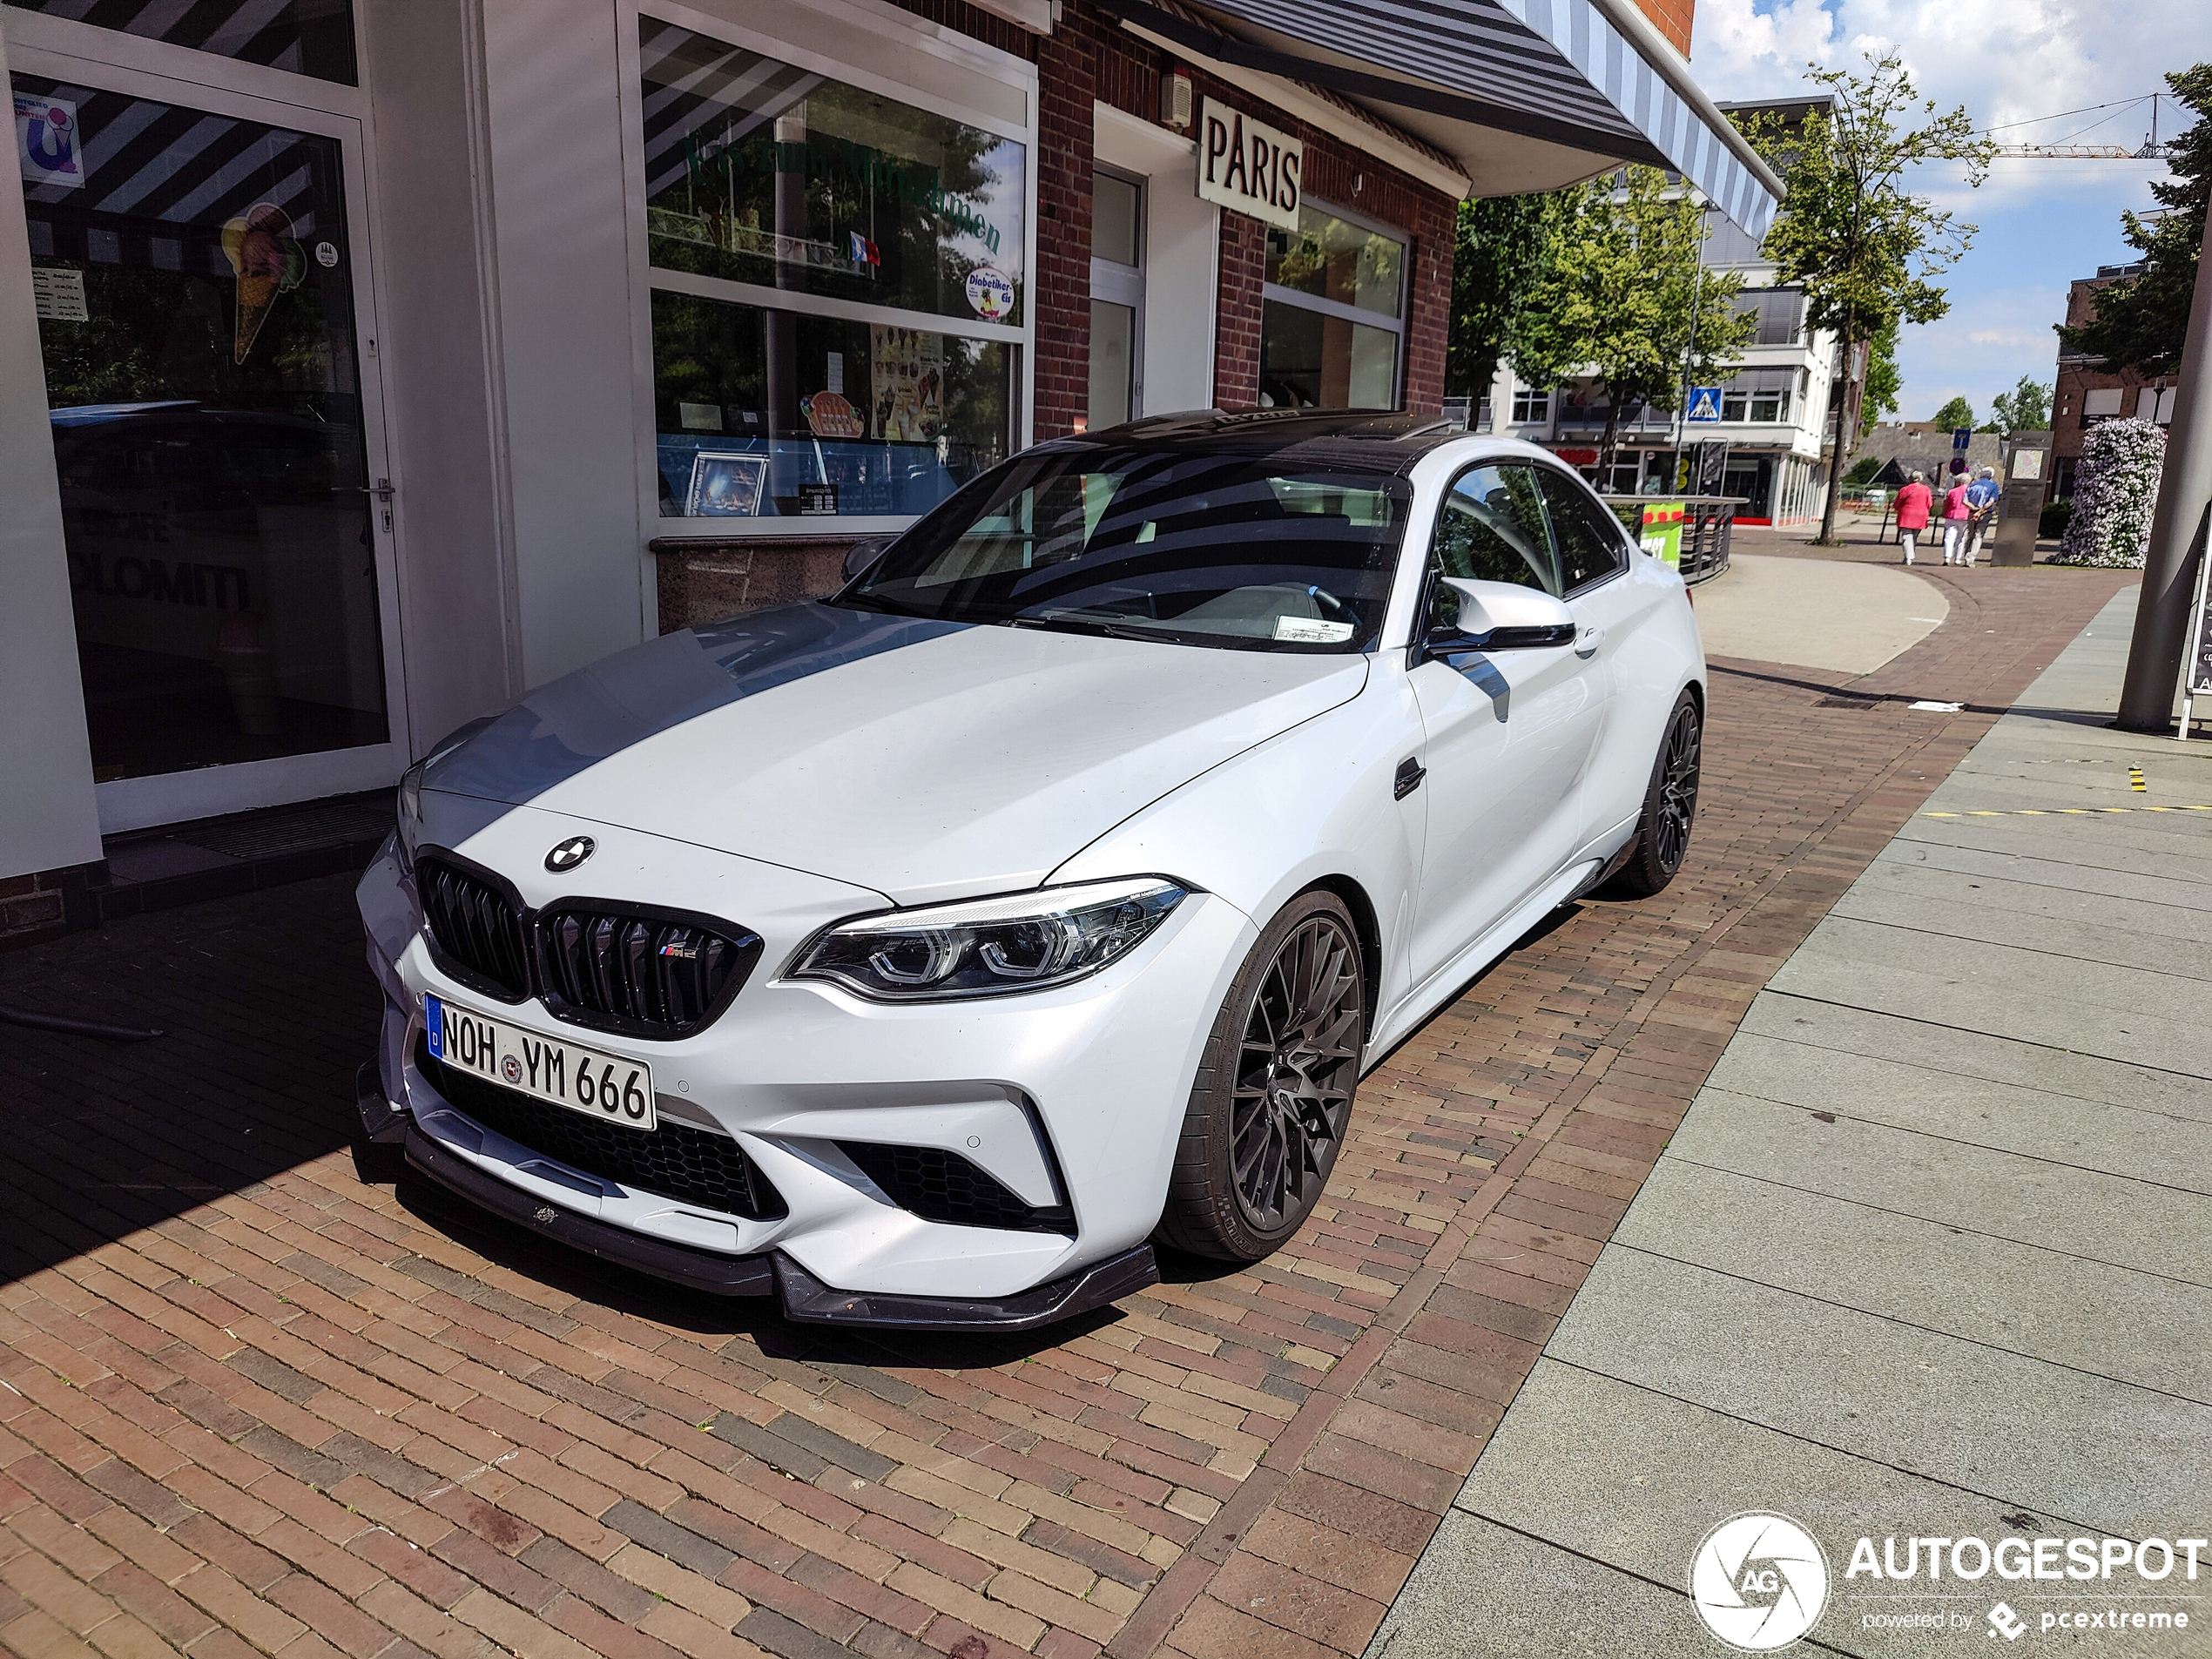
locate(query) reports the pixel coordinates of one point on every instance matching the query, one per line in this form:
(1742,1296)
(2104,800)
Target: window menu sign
(1248,166)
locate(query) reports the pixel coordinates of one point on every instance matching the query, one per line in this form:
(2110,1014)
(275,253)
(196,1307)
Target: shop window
(757,172)
(307,36)
(839,288)
(1530,406)
(1332,314)
(762,412)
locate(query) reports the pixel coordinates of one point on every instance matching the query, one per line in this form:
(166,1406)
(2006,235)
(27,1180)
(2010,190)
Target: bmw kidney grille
(624,967)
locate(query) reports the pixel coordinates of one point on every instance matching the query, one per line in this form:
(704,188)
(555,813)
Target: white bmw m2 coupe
(921,956)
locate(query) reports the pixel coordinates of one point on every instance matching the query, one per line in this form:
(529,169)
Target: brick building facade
(2087,393)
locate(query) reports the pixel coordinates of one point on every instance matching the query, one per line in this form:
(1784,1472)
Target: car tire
(1669,808)
(1272,1098)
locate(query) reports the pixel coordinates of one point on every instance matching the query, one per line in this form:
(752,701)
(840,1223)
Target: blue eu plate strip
(434,1025)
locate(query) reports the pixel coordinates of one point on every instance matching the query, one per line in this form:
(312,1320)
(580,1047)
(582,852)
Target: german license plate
(567,1074)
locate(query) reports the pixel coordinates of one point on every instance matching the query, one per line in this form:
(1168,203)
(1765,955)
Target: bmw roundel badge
(569,854)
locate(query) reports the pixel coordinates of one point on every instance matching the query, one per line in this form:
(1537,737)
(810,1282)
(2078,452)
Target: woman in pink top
(1956,512)
(1912,505)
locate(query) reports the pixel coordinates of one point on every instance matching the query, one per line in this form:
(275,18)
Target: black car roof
(1372,440)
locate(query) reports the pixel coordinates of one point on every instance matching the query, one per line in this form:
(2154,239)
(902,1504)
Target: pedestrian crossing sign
(1704,404)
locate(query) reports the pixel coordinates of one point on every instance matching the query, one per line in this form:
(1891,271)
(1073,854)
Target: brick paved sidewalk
(256,1398)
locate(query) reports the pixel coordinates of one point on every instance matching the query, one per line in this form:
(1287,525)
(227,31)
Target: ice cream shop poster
(47,143)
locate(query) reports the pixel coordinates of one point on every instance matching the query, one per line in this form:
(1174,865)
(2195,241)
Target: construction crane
(2081,151)
(2151,149)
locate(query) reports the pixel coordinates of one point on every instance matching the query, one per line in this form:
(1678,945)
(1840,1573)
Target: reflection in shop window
(881,420)
(759,171)
(195,324)
(307,36)
(1333,315)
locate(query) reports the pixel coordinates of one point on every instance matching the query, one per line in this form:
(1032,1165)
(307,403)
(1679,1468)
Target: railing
(1707,525)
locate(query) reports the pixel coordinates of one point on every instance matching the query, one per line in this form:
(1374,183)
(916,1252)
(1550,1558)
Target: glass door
(1117,301)
(198,267)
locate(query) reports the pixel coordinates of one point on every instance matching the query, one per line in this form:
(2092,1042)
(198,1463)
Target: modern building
(1766,431)
(366,363)
(2087,393)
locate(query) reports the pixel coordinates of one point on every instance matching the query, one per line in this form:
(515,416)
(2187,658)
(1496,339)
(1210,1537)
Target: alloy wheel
(1677,790)
(1297,1066)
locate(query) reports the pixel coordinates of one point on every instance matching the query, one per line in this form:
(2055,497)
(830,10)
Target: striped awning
(1526,94)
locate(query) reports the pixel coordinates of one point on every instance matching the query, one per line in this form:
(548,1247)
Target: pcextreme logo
(1758,1582)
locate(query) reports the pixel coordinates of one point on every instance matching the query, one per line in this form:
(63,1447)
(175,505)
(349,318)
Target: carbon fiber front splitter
(804,1298)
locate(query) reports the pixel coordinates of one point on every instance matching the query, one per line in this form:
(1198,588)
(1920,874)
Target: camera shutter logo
(1758,1582)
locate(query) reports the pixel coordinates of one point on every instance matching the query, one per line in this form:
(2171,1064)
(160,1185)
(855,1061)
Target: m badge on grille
(569,854)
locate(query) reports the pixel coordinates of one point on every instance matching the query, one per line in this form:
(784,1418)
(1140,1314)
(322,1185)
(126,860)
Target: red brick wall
(1237,306)
(1672,19)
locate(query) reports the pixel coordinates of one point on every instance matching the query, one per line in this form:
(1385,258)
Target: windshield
(1242,551)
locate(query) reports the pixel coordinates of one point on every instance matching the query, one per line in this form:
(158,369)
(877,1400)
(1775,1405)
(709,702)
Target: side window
(1490,529)
(1591,546)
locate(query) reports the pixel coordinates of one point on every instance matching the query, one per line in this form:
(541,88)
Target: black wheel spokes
(1678,791)
(1296,1065)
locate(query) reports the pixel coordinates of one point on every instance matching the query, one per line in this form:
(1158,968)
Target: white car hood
(926,760)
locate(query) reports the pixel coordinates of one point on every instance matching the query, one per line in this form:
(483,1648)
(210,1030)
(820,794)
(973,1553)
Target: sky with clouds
(2041,223)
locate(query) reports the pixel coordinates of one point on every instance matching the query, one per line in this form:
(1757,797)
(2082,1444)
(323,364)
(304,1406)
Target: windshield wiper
(1072,623)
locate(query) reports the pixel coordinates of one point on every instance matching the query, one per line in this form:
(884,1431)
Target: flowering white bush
(2115,488)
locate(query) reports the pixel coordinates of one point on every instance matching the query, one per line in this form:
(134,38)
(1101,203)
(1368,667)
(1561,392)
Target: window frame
(1606,515)
(968,56)
(1393,323)
(1425,599)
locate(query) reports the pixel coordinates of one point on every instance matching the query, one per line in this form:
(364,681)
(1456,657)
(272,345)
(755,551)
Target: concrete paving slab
(2087,1315)
(1635,1478)
(2160,1229)
(1939,1048)
(2139,843)
(2160,1148)
(1533,1599)
(2108,1454)
(1981,901)
(2157,887)
(1848,617)
(2091,1008)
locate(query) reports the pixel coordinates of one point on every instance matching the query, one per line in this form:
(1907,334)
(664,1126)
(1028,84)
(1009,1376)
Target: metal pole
(2162,611)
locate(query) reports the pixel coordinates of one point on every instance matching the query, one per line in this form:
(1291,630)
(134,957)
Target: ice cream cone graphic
(267,259)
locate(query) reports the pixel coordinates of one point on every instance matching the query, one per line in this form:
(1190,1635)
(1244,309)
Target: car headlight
(410,792)
(991,947)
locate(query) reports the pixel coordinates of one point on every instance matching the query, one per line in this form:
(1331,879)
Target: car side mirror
(1502,616)
(864,553)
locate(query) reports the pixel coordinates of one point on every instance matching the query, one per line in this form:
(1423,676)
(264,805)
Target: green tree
(1878,394)
(2142,323)
(1498,249)
(1954,414)
(1623,295)
(1862,247)
(2026,407)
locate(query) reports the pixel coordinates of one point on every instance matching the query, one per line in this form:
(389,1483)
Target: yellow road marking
(2135,780)
(2069,811)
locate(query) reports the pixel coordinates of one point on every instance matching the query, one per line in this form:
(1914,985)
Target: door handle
(1410,773)
(1589,640)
